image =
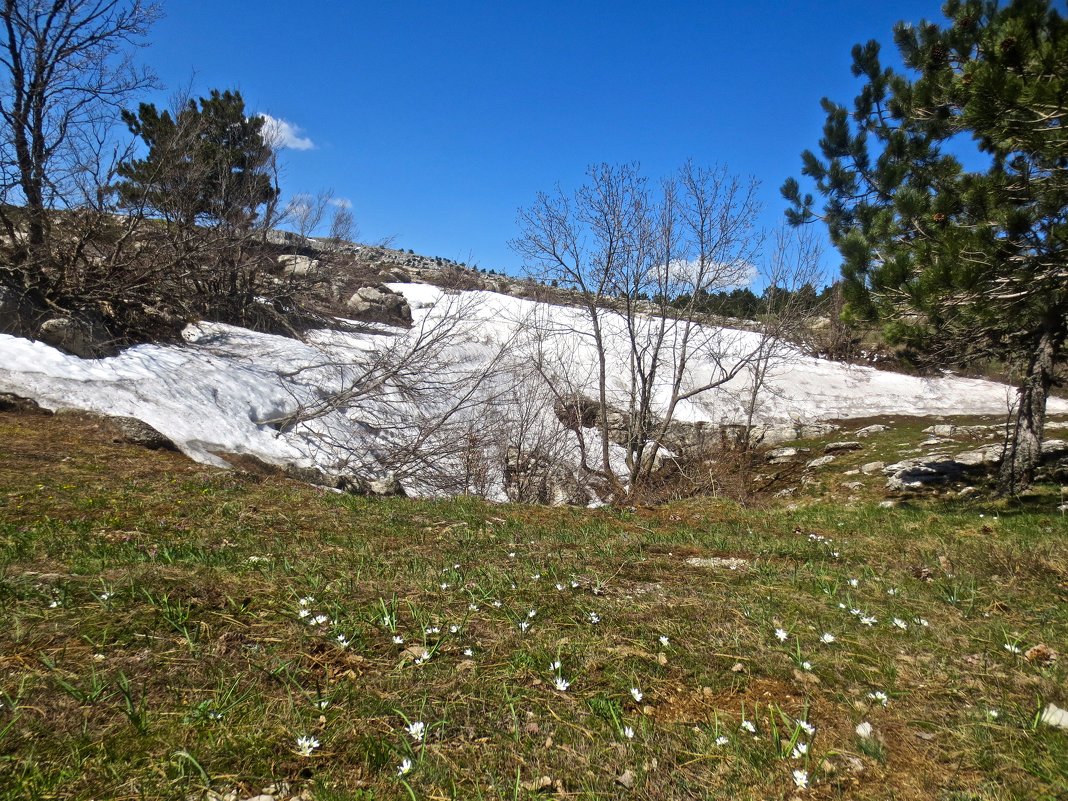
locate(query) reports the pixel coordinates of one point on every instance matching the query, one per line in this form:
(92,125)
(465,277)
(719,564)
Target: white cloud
(341,202)
(281,133)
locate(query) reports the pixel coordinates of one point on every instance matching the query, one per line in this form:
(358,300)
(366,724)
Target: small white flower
(749,726)
(215,714)
(801,779)
(892,591)
(879,696)
(992,714)
(664,641)
(416,730)
(574,585)
(454,629)
(105,596)
(628,732)
(595,618)
(721,740)
(827,638)
(306,744)
(901,624)
(841,605)
(422,658)
(921,621)
(555,665)
(562,684)
(433,630)
(303,613)
(523,625)
(806,666)
(398,640)
(864,730)
(322,703)
(468,652)
(388,621)
(636,694)
(318,620)
(342,640)
(511,554)
(497,604)
(869,621)
(854,582)
(443,586)
(472,607)
(836,554)
(404,767)
(799,750)
(559,587)
(855,612)
(807,727)
(532,613)
(536,577)
(307,599)
(781,635)
(1012,648)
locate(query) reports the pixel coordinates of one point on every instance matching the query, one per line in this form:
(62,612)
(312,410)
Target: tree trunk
(1023,449)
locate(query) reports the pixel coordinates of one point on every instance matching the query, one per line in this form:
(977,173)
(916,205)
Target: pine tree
(206,164)
(969,261)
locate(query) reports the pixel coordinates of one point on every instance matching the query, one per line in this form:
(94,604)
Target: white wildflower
(879,696)
(303,613)
(468,652)
(827,638)
(636,694)
(806,665)
(864,730)
(404,767)
(664,641)
(417,730)
(306,744)
(532,613)
(318,620)
(807,727)
(628,732)
(562,684)
(799,750)
(749,726)
(595,618)
(523,625)
(343,641)
(870,620)
(854,582)
(801,779)
(721,740)
(398,640)
(1012,648)
(901,624)
(781,635)
(423,657)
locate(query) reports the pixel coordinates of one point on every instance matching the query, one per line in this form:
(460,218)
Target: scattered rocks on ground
(871,468)
(379,304)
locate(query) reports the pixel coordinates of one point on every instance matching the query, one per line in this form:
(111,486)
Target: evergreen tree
(968,260)
(208,164)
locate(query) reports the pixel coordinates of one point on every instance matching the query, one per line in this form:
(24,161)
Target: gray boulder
(379,304)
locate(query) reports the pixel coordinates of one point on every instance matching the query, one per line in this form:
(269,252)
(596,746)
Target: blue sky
(438,120)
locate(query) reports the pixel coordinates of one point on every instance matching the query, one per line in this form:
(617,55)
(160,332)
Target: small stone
(871,468)
(832,447)
(661,658)
(820,462)
(627,779)
(1054,716)
(737,667)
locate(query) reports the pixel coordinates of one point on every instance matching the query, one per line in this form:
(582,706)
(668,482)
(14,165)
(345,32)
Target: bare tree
(640,262)
(66,72)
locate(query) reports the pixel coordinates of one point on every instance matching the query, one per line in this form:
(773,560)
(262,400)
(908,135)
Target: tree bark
(1023,450)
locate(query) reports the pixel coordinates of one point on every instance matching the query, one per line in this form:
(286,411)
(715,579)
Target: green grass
(158,638)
